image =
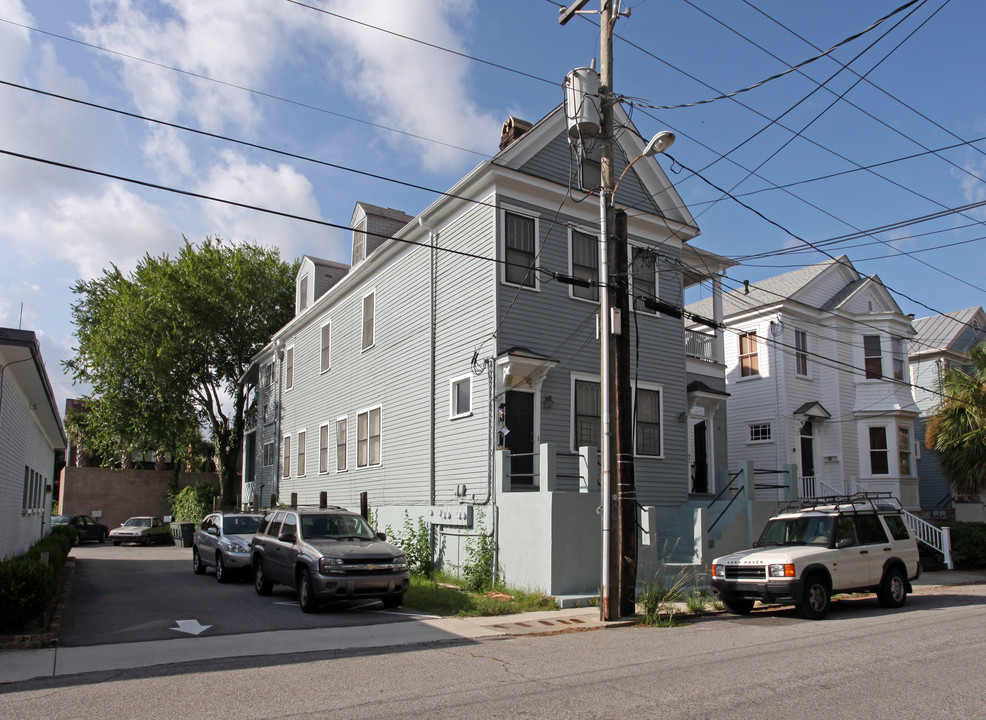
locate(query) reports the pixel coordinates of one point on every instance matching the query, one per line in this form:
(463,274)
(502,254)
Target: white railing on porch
(940,538)
(812,487)
(700,345)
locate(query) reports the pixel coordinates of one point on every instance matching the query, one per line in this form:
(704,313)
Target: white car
(814,548)
(143,530)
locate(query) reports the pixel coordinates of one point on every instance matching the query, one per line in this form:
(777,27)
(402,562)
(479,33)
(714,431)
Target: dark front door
(808,460)
(519,420)
(700,473)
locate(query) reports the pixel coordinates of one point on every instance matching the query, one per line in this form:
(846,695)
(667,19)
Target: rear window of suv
(898,528)
(870,530)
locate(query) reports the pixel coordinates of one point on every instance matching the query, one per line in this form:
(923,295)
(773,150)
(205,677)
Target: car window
(290,524)
(240,525)
(206,522)
(138,522)
(274,528)
(898,528)
(870,530)
(804,530)
(846,530)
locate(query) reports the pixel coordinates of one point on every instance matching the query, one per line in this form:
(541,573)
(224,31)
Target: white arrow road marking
(192,627)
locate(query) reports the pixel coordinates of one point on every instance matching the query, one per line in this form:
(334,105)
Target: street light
(658,144)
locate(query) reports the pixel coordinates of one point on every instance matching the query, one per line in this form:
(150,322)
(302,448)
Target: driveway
(132,594)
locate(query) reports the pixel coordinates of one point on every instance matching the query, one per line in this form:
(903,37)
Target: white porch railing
(938,538)
(700,345)
(812,487)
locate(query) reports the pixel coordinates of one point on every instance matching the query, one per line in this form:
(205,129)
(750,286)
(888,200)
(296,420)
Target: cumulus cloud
(408,85)
(280,188)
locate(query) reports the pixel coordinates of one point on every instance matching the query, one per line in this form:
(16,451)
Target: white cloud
(408,85)
(19,304)
(278,188)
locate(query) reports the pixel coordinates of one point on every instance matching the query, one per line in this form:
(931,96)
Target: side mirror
(213,530)
(381,536)
(288,537)
(845,542)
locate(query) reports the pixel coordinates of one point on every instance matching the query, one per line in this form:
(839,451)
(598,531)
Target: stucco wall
(120,494)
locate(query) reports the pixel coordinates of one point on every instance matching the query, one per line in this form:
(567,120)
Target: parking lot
(132,593)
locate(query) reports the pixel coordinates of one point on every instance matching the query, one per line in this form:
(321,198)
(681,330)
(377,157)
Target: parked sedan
(223,541)
(85,527)
(143,530)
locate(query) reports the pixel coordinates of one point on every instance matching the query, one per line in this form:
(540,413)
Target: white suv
(813,548)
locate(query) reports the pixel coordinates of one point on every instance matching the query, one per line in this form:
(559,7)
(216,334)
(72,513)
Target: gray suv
(222,541)
(327,554)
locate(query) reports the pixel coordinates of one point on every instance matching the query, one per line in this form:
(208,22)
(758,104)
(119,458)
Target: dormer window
(303,294)
(359,242)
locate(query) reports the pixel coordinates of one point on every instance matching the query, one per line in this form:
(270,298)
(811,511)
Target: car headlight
(718,570)
(785,571)
(329,564)
(400,562)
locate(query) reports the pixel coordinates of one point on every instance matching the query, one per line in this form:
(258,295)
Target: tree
(164,348)
(957,432)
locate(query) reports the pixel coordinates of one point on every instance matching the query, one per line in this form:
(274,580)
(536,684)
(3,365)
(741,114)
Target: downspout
(432,362)
(276,482)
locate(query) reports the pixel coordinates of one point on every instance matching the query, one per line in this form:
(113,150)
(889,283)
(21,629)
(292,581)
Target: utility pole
(619,552)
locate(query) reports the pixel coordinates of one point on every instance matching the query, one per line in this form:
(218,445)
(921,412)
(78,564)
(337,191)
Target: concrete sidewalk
(20,665)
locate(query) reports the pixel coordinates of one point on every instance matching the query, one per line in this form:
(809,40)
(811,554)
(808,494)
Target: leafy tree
(165,346)
(957,432)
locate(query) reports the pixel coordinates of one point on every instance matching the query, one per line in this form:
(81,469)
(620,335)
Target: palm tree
(957,432)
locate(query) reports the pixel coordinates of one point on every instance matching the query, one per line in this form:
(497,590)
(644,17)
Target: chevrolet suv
(327,554)
(813,548)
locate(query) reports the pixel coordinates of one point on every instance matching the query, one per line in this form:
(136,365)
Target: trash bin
(183,533)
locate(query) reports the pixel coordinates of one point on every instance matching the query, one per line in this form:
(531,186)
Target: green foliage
(57,545)
(27,584)
(191,504)
(479,570)
(415,540)
(696,602)
(957,432)
(165,346)
(968,545)
(661,596)
(429,595)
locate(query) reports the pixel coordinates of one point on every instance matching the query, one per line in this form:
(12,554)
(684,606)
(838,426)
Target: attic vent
(513,128)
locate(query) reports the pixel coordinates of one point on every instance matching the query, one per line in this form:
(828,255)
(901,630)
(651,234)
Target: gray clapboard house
(451,377)
(942,342)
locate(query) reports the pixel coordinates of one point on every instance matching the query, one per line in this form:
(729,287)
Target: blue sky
(285,76)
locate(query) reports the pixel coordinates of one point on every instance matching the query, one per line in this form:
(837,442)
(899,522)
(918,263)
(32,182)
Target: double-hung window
(801,352)
(872,357)
(879,452)
(369,302)
(897,353)
(289,368)
(286,470)
(461,397)
(323,449)
(302,446)
(748,357)
(341,437)
(588,413)
(268,454)
(585,264)
(644,272)
(520,249)
(303,294)
(326,333)
(648,421)
(368,438)
(904,451)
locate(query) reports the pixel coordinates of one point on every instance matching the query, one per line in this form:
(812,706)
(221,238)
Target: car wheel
(116,542)
(146,540)
(306,594)
(739,607)
(197,567)
(261,584)
(102,537)
(893,589)
(77,539)
(221,574)
(393,601)
(815,602)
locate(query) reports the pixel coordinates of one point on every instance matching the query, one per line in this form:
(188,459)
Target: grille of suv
(745,572)
(368,566)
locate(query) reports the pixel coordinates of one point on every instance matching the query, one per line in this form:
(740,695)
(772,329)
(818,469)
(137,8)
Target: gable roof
(20,355)
(941,332)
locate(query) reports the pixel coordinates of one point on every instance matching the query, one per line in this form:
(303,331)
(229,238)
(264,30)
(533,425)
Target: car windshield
(138,522)
(240,525)
(338,527)
(804,530)
(59,520)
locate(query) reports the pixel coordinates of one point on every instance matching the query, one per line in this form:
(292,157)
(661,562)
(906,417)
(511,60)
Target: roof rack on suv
(861,501)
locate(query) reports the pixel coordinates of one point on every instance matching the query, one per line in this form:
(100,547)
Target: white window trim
(536,217)
(263,454)
(301,449)
(366,411)
(658,388)
(749,432)
(739,356)
(362,316)
(289,351)
(286,456)
(328,446)
(572,229)
(453,415)
(890,435)
(573,377)
(804,351)
(335,443)
(657,279)
(303,283)
(321,328)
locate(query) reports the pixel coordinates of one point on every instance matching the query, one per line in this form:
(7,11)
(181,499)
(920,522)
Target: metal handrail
(728,505)
(732,479)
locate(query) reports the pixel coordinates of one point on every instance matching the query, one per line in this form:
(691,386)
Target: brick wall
(120,494)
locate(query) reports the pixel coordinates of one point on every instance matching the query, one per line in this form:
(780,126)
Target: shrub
(26,589)
(57,545)
(478,571)
(415,541)
(191,504)
(969,545)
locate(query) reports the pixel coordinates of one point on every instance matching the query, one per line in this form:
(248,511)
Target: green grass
(428,596)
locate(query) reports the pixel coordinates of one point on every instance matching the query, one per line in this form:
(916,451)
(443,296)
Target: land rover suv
(812,549)
(327,554)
